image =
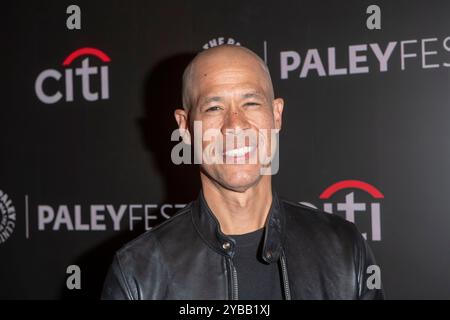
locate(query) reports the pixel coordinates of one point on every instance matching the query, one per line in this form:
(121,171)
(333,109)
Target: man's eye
(252,104)
(213,108)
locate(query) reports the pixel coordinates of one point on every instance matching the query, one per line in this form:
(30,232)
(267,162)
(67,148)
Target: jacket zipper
(234,282)
(287,291)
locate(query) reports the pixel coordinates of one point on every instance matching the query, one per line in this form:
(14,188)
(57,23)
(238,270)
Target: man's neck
(239,212)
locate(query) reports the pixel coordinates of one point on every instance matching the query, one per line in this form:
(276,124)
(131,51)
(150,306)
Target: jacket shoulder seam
(124,279)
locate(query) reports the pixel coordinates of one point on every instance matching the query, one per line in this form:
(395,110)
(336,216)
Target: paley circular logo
(220,41)
(7,217)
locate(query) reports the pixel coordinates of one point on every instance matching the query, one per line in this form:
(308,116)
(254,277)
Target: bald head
(224,56)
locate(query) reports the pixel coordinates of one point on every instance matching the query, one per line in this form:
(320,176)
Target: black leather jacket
(321,256)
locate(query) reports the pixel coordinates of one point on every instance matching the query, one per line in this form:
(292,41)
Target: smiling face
(231,95)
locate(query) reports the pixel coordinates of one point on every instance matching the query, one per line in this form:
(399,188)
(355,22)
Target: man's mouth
(240,152)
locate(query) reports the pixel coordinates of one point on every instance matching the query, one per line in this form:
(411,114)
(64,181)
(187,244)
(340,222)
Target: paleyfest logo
(341,197)
(87,73)
(363,58)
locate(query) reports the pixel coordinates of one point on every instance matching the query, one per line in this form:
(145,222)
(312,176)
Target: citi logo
(340,197)
(50,92)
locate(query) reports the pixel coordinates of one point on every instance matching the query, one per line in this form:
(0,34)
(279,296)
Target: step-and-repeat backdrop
(88,94)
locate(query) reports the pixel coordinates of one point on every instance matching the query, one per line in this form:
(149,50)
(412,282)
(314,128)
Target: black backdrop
(379,138)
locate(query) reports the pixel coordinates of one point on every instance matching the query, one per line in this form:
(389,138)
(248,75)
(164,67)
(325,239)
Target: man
(239,240)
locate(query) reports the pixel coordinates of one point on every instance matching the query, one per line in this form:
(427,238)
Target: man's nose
(236,121)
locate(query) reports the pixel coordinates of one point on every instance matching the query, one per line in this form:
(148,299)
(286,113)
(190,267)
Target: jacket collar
(208,227)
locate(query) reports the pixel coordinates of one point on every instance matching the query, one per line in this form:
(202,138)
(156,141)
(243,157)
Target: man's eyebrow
(207,100)
(253,94)
(247,95)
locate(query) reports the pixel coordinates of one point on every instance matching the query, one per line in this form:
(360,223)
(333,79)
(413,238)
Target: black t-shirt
(257,279)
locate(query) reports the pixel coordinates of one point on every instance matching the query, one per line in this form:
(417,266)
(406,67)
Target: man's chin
(237,178)
(240,182)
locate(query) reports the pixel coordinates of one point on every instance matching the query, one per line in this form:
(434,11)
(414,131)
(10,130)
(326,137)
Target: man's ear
(278,105)
(181,117)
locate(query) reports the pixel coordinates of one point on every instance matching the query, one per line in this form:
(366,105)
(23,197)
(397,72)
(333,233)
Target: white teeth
(239,152)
